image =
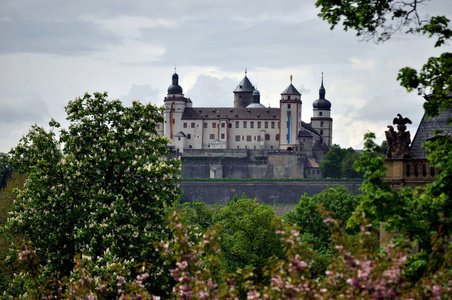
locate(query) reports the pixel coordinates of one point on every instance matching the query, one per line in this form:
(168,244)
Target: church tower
(321,120)
(290,120)
(175,104)
(243,93)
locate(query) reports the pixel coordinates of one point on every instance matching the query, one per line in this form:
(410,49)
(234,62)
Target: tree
(248,237)
(104,194)
(338,163)
(7,197)
(5,169)
(379,20)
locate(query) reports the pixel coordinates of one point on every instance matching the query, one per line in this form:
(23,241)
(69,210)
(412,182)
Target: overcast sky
(53,51)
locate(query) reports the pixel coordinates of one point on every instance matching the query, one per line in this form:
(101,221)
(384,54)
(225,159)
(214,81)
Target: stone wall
(272,192)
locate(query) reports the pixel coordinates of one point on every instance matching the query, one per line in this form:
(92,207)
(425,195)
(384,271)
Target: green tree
(338,162)
(379,20)
(104,194)
(248,237)
(7,197)
(5,169)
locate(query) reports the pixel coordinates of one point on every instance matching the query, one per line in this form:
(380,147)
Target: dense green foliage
(248,237)
(103,194)
(338,163)
(7,197)
(5,169)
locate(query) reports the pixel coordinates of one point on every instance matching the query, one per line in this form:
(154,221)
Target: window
(258,124)
(248,138)
(174,121)
(321,131)
(278,125)
(321,124)
(237,138)
(192,125)
(222,136)
(288,105)
(188,136)
(244,124)
(320,113)
(158,126)
(266,124)
(258,138)
(277,137)
(237,124)
(288,98)
(223,125)
(205,125)
(287,124)
(214,125)
(212,136)
(267,137)
(251,124)
(273,125)
(230,125)
(185,125)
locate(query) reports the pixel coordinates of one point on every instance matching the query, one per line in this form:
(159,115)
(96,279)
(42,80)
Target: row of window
(238,137)
(237,124)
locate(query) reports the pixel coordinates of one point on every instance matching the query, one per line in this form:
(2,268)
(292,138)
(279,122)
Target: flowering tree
(103,194)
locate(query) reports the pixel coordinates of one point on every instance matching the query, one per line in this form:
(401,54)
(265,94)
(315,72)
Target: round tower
(243,93)
(321,120)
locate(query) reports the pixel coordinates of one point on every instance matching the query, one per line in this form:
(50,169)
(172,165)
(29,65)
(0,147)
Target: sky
(54,51)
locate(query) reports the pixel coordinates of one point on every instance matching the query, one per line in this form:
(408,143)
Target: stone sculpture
(398,142)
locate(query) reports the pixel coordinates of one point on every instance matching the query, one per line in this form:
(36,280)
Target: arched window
(266,124)
(267,137)
(277,137)
(244,124)
(251,124)
(259,124)
(237,124)
(273,124)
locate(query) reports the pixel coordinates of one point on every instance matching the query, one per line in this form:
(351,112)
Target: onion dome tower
(175,104)
(243,93)
(321,120)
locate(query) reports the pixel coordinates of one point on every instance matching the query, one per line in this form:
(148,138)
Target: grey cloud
(210,91)
(52,36)
(144,93)
(22,108)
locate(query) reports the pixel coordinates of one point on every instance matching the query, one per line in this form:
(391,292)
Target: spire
(322,91)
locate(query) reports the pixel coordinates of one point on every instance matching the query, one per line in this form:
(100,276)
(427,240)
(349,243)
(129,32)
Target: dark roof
(175,88)
(241,113)
(244,86)
(309,128)
(425,132)
(322,103)
(290,90)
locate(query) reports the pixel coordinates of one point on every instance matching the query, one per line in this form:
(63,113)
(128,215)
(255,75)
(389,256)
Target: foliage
(338,163)
(7,197)
(199,215)
(414,214)
(379,20)
(309,217)
(248,236)
(104,195)
(5,169)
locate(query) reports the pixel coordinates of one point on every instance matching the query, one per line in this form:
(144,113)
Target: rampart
(271,192)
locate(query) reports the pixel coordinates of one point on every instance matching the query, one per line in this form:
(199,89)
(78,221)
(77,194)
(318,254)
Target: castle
(249,139)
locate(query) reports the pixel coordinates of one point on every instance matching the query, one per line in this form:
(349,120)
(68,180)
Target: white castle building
(249,125)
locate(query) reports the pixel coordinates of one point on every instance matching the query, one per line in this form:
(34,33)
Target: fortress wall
(272,192)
